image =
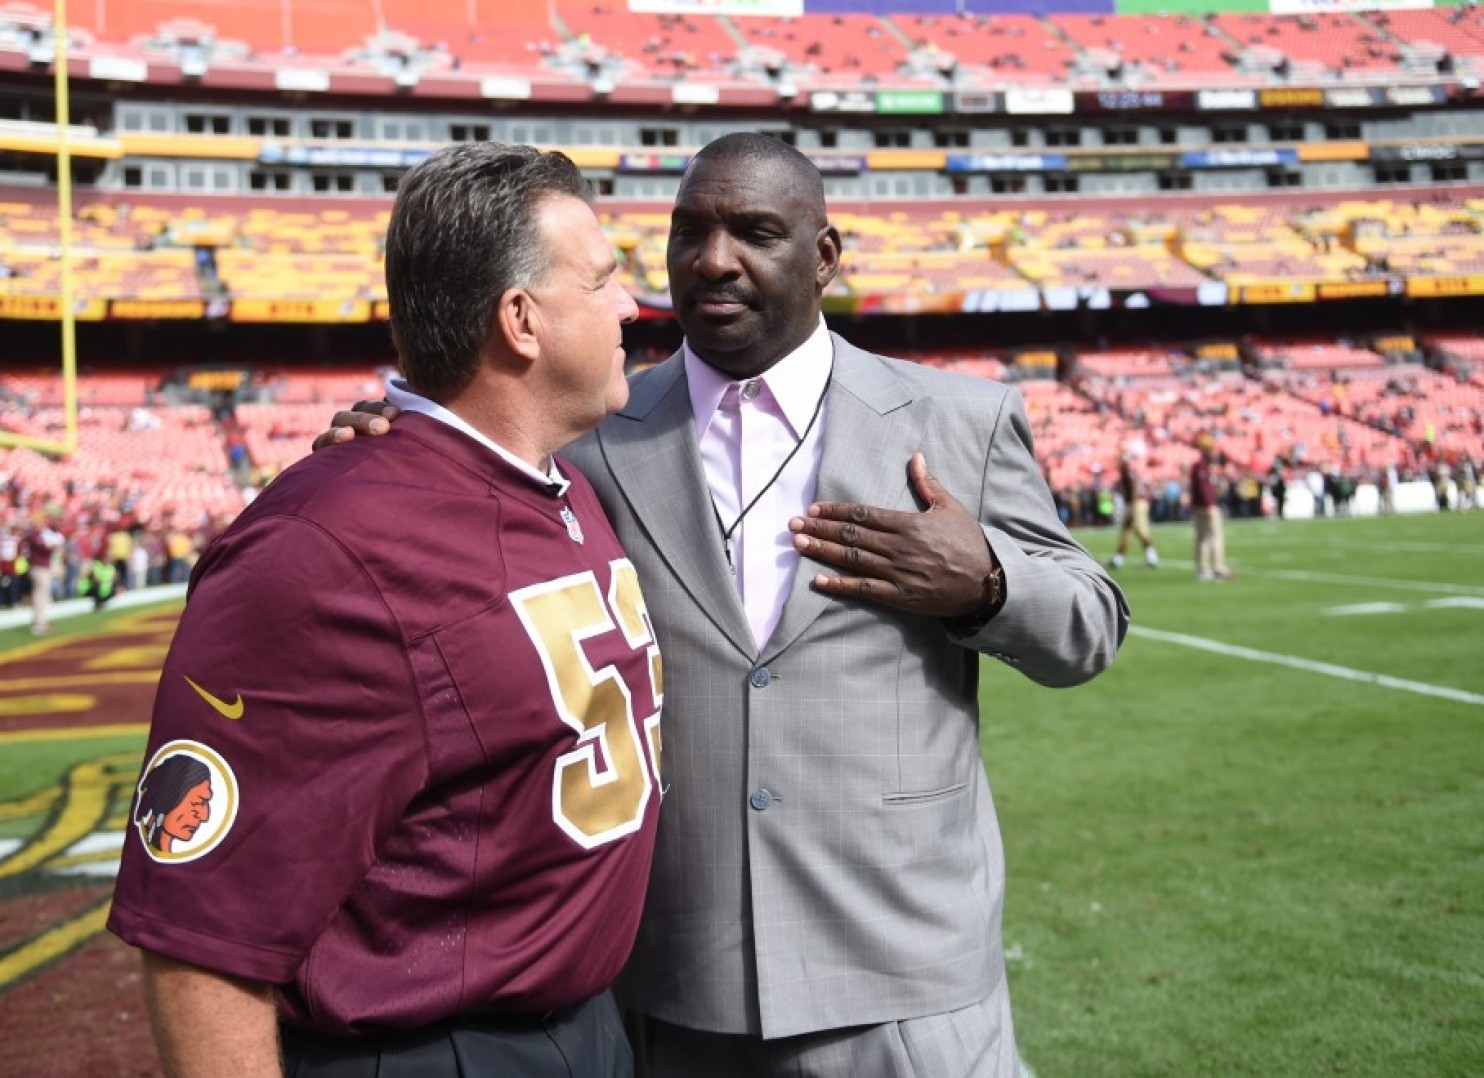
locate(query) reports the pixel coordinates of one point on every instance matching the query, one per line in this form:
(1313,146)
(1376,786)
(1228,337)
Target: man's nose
(716,256)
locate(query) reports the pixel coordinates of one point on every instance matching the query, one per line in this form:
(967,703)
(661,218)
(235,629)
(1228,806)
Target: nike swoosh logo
(229,711)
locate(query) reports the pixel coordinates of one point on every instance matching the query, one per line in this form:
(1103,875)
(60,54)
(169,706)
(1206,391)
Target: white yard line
(1328,669)
(1409,546)
(1343,578)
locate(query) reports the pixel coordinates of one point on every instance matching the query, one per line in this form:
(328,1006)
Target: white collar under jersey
(405,398)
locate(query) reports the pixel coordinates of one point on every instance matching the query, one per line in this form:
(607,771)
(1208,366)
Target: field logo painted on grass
(64,838)
(79,831)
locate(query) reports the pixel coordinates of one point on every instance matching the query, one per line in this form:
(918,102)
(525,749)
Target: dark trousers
(586,1041)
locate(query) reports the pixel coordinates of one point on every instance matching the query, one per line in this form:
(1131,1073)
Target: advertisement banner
(1308,7)
(653,162)
(1351,97)
(909,102)
(1415,95)
(272,153)
(830,163)
(1238,158)
(976,101)
(1277,292)
(1125,162)
(1225,100)
(1423,151)
(1039,102)
(1472,285)
(1291,98)
(1007,162)
(132,310)
(300,310)
(49,308)
(842,101)
(1354,289)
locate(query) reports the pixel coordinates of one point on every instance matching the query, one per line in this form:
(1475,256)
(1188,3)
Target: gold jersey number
(596,797)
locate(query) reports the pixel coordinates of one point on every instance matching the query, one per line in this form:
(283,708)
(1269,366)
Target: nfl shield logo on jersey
(574,527)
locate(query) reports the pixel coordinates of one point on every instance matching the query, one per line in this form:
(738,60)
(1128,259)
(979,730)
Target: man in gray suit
(829,878)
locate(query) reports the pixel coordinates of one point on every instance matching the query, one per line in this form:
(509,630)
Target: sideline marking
(54,943)
(1464,602)
(1329,669)
(1246,569)
(1365,608)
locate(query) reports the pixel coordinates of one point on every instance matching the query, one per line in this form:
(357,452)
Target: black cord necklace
(726,532)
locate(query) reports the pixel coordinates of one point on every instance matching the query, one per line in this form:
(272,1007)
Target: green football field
(1256,845)
(1253,847)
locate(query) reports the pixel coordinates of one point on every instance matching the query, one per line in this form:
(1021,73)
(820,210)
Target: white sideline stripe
(1366,608)
(1273,537)
(1341,578)
(1328,669)
(1456,601)
(71,608)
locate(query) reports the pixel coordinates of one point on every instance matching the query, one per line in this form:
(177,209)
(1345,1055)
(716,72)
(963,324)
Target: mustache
(720,295)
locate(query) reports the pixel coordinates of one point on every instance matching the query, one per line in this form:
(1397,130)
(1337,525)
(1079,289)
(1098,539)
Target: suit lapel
(650,447)
(870,433)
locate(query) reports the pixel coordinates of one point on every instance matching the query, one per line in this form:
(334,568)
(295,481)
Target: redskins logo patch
(186,802)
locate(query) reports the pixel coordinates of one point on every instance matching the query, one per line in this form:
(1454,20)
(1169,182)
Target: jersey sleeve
(286,740)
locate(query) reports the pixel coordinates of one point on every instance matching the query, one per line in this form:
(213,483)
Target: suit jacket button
(761,800)
(760,678)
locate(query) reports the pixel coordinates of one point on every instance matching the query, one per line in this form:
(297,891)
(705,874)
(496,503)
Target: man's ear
(517,323)
(829,245)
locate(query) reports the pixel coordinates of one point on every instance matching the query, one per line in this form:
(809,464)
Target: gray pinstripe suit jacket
(870,889)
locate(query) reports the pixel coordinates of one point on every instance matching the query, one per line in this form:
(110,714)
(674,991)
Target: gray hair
(463,231)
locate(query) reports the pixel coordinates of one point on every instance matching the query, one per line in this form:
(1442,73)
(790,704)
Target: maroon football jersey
(405,750)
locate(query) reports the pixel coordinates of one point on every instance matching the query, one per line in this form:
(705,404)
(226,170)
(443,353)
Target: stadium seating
(169,467)
(908,43)
(1156,46)
(1007,47)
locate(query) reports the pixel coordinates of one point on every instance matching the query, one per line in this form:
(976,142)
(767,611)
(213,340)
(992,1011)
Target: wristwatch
(992,592)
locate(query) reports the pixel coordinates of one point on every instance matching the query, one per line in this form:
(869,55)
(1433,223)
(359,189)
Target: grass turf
(1220,866)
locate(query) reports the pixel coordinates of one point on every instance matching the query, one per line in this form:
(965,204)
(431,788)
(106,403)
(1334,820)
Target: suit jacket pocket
(923,797)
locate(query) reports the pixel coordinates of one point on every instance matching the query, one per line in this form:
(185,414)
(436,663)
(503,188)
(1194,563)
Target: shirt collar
(797,381)
(405,398)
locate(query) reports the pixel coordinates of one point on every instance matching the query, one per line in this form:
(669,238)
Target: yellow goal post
(64,225)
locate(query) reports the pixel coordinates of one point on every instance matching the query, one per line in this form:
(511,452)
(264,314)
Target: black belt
(485,1016)
(488,1016)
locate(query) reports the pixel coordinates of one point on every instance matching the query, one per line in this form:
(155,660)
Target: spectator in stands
(1205,511)
(775,940)
(1134,491)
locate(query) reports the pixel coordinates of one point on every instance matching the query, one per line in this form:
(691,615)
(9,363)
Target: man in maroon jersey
(1205,513)
(430,732)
